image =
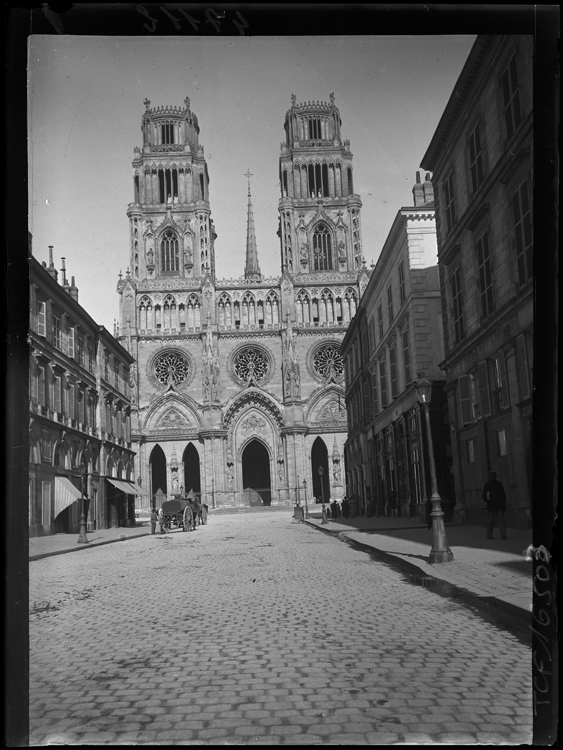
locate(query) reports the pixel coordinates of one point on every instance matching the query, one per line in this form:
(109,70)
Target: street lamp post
(441,551)
(305,494)
(82,538)
(324,518)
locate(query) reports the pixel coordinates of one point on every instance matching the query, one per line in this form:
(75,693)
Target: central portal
(257,488)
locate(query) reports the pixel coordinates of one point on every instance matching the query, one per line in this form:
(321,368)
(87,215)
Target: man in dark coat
(345,507)
(495,497)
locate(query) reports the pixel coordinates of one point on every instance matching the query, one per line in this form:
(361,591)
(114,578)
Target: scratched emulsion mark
(212,17)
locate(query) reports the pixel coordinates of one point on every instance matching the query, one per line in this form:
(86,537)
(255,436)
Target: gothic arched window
(169,252)
(322,248)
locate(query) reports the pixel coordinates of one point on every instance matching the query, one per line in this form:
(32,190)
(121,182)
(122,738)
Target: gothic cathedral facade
(237,387)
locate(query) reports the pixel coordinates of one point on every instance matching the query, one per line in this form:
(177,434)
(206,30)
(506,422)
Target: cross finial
(248,174)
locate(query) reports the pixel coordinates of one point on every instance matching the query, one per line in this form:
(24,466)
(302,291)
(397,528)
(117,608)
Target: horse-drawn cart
(183,512)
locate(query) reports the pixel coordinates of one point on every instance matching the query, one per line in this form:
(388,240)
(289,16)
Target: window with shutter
(57,340)
(374,393)
(70,339)
(380,321)
(449,204)
(504,394)
(465,400)
(46,445)
(382,384)
(475,158)
(457,302)
(71,412)
(367,399)
(484,388)
(523,373)
(402,294)
(41,318)
(406,357)
(511,99)
(393,372)
(41,389)
(58,386)
(485,275)
(523,235)
(372,335)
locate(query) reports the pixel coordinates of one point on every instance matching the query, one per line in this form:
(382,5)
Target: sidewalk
(495,571)
(58,544)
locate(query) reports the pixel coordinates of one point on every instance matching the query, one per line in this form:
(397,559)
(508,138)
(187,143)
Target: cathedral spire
(251,269)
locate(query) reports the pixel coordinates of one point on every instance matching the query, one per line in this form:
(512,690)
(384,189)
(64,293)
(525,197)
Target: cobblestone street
(257,630)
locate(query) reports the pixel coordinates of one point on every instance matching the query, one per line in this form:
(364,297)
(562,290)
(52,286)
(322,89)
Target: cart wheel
(188,517)
(204,515)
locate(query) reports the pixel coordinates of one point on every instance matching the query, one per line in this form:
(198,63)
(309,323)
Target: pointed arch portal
(192,478)
(158,470)
(257,487)
(319,457)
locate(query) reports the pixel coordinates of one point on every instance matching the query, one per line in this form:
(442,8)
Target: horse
(199,511)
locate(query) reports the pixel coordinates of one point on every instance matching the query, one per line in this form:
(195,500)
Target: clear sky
(85,106)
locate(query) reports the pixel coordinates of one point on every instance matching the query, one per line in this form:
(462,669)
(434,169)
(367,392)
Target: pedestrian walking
(334,509)
(161,521)
(345,507)
(495,497)
(154,520)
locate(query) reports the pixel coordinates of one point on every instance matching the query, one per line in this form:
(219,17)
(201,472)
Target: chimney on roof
(66,287)
(51,270)
(73,290)
(428,189)
(418,192)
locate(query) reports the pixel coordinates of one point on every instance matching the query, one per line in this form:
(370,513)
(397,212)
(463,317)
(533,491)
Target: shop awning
(65,494)
(135,489)
(128,487)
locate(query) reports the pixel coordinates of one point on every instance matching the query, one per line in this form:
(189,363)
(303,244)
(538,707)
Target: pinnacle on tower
(251,269)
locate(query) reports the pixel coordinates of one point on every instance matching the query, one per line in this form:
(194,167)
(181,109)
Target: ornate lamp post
(321,472)
(305,494)
(82,538)
(441,551)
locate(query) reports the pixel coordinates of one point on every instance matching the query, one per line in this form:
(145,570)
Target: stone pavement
(499,571)
(256,630)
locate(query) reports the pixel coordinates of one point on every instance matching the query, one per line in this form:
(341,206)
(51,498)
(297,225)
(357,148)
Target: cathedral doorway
(319,458)
(192,479)
(158,470)
(257,488)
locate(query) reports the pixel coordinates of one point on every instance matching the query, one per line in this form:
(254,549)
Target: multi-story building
(80,421)
(481,159)
(395,338)
(238,383)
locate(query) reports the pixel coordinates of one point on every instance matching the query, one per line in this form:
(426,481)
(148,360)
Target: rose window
(171,368)
(251,365)
(328,363)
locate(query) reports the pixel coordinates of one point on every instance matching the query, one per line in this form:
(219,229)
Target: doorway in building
(319,458)
(192,481)
(257,488)
(158,471)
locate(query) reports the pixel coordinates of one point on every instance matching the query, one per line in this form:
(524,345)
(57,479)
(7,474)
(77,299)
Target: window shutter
(33,386)
(41,386)
(367,399)
(465,399)
(71,341)
(374,393)
(484,389)
(41,318)
(57,401)
(522,367)
(504,381)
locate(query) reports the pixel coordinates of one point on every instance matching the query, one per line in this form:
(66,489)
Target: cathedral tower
(170,219)
(319,224)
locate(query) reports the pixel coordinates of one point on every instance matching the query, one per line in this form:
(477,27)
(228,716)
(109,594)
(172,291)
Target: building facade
(395,338)
(238,383)
(80,413)
(481,158)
